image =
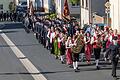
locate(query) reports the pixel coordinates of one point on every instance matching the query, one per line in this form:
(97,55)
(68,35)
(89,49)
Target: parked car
(22,7)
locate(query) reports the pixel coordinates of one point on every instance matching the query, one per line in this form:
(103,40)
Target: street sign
(107,4)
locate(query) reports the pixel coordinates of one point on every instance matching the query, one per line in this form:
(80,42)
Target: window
(73,4)
(82,3)
(107,0)
(1,6)
(86,3)
(76,5)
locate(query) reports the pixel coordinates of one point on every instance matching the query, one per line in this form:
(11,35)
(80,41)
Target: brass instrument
(79,44)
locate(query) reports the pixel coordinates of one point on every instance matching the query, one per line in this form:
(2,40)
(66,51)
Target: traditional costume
(69,60)
(88,48)
(97,45)
(52,36)
(56,48)
(109,41)
(62,50)
(76,49)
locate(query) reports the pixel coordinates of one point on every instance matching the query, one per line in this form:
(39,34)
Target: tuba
(79,44)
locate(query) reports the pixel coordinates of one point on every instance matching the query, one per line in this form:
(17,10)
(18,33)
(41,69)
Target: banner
(66,12)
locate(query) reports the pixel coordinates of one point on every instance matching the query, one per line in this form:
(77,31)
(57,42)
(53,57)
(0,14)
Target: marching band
(69,43)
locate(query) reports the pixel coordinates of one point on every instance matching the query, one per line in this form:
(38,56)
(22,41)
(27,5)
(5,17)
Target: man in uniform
(4,16)
(114,49)
(41,31)
(7,15)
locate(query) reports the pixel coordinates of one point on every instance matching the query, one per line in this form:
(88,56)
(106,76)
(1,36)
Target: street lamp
(107,10)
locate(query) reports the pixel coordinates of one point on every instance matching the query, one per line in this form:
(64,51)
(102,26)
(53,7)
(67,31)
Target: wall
(85,14)
(84,17)
(5,4)
(46,5)
(115,14)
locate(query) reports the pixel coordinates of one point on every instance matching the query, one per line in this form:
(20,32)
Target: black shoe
(62,62)
(56,57)
(77,68)
(97,67)
(114,76)
(70,66)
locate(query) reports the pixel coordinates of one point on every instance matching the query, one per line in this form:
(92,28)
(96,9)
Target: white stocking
(97,61)
(74,66)
(61,57)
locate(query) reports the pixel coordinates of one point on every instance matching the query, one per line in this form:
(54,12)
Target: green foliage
(12,7)
(74,1)
(52,16)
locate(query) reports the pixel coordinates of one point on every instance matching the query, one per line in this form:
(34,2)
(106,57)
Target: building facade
(37,4)
(73,8)
(4,5)
(85,12)
(47,5)
(89,10)
(115,14)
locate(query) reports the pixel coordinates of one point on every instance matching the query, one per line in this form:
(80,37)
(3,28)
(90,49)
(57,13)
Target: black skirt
(83,49)
(97,53)
(62,49)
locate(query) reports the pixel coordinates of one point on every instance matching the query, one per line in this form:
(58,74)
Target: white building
(39,4)
(85,12)
(89,8)
(46,4)
(115,14)
(4,5)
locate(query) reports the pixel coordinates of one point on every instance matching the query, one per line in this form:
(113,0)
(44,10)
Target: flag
(66,12)
(31,8)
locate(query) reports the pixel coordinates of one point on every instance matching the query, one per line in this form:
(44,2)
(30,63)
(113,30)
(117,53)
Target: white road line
(25,61)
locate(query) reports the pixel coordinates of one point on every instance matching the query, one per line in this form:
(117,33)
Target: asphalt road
(12,69)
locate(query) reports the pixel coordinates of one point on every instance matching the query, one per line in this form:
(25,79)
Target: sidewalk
(3,23)
(8,22)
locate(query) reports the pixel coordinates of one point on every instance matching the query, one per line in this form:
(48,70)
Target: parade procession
(71,44)
(59,40)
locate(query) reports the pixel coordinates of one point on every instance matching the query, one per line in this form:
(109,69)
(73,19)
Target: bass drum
(79,45)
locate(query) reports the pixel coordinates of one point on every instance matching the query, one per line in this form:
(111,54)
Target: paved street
(11,68)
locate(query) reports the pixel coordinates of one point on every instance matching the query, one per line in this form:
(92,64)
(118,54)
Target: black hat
(115,38)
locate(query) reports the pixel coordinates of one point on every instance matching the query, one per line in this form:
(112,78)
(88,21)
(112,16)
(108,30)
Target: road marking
(35,73)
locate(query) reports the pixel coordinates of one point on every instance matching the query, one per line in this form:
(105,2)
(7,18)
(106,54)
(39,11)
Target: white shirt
(52,35)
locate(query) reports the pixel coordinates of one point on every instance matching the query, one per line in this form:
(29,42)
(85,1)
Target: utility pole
(107,10)
(80,14)
(90,11)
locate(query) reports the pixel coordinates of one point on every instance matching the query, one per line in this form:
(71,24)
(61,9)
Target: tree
(74,1)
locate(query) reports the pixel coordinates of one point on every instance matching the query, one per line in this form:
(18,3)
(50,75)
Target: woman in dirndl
(97,45)
(69,60)
(88,47)
(56,41)
(62,47)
